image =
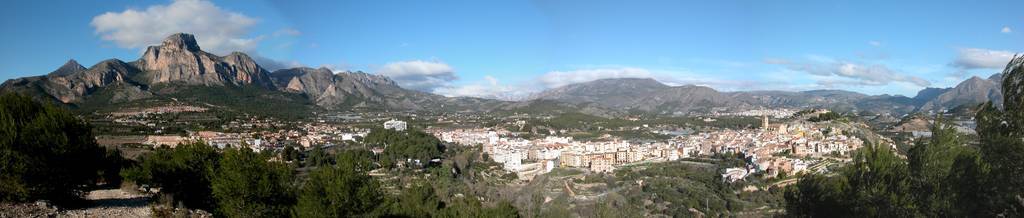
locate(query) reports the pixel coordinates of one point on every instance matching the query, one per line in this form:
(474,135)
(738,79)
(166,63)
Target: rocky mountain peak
(72,63)
(68,68)
(179,59)
(181,41)
(973,82)
(928,94)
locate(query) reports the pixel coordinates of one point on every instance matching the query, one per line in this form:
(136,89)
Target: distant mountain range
(649,95)
(178,69)
(178,66)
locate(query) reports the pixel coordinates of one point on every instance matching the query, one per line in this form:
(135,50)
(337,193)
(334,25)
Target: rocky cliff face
(70,84)
(178,63)
(331,90)
(179,59)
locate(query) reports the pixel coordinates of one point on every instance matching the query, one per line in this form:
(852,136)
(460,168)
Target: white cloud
(556,79)
(418,74)
(490,88)
(875,43)
(849,73)
(975,58)
(1006,29)
(272,65)
(217,30)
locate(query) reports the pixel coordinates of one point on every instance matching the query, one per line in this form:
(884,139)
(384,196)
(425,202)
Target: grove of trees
(242,183)
(943,176)
(46,153)
(404,145)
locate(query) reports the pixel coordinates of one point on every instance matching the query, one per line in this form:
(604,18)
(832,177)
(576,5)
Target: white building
(396,125)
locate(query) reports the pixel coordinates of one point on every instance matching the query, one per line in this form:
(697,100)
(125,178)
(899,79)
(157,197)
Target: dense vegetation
(246,184)
(404,145)
(46,153)
(943,176)
(182,173)
(242,183)
(678,189)
(344,190)
(224,101)
(827,116)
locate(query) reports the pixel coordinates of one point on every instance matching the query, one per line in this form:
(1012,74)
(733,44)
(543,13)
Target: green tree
(403,145)
(419,200)
(113,164)
(183,173)
(289,153)
(246,184)
(344,190)
(875,184)
(818,196)
(930,163)
(318,157)
(969,182)
(45,151)
(1002,146)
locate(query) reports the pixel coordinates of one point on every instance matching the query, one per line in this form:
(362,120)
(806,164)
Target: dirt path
(113,203)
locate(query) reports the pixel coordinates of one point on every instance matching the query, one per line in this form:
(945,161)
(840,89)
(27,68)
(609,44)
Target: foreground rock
(37,209)
(113,203)
(103,203)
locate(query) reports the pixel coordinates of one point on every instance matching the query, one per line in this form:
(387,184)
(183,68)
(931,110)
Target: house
(396,125)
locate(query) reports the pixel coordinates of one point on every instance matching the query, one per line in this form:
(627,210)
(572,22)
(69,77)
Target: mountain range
(179,69)
(649,95)
(178,65)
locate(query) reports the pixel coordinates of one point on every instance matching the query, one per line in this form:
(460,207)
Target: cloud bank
(556,79)
(850,73)
(217,30)
(976,58)
(419,75)
(489,88)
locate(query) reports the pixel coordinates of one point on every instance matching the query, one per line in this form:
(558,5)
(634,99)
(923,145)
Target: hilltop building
(396,125)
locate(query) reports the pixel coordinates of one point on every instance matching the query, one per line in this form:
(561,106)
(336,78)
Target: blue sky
(512,48)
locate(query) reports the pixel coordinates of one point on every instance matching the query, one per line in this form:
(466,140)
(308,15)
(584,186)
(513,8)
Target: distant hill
(970,92)
(640,94)
(649,95)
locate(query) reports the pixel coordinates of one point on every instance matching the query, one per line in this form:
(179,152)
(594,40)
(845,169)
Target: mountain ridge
(649,95)
(179,61)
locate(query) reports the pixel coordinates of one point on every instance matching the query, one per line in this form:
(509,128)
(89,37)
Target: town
(791,147)
(774,149)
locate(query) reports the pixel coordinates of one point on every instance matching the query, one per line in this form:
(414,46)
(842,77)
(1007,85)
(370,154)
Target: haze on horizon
(502,49)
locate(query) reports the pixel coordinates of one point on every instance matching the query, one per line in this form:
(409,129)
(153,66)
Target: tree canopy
(45,151)
(403,145)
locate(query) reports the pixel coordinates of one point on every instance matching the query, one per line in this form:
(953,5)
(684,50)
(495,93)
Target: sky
(510,49)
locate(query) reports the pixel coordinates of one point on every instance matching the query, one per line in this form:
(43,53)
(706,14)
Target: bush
(45,151)
(344,190)
(402,145)
(246,184)
(183,172)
